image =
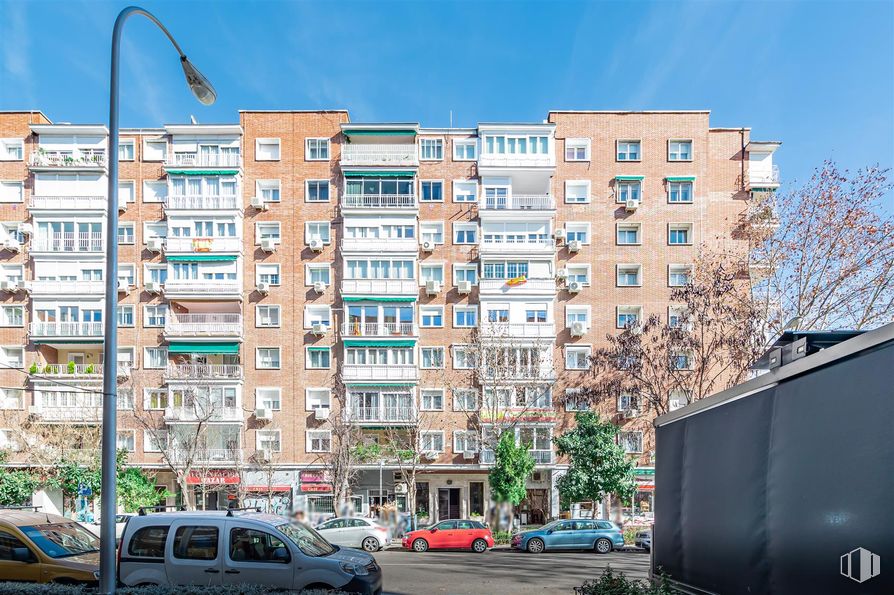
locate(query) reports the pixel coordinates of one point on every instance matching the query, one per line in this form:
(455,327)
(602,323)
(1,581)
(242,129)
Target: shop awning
(49,340)
(374,298)
(201,257)
(379,174)
(382,132)
(680,178)
(629,178)
(379,343)
(319,348)
(204,172)
(213,347)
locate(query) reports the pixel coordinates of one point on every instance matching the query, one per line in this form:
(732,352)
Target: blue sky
(817,75)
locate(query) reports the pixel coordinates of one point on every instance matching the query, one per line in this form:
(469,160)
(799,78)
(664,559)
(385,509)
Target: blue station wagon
(578,534)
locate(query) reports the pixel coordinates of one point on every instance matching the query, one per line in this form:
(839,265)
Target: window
(679,234)
(317,230)
(268,273)
(577,357)
(577,314)
(318,358)
(155,191)
(575,400)
(154,441)
(195,543)
(12,149)
(431,272)
(627,190)
(631,442)
(316,149)
(125,439)
(149,542)
(12,316)
(579,273)
(463,357)
(155,149)
(318,440)
(464,150)
(432,357)
(465,399)
(155,357)
(126,234)
(577,149)
(157,273)
(431,316)
(679,192)
(628,316)
(628,150)
(536,313)
(465,441)
(465,272)
(269,190)
(126,193)
(432,399)
(431,231)
(10,230)
(316,191)
(577,232)
(317,315)
(679,150)
(431,149)
(678,275)
(12,398)
(316,398)
(11,191)
(432,191)
(267,149)
(127,274)
(577,191)
(677,317)
(628,275)
(127,358)
(155,398)
(678,398)
(465,191)
(498,313)
(12,272)
(465,233)
(628,234)
(628,401)
(12,357)
(681,361)
(154,315)
(268,230)
(267,358)
(125,399)
(431,441)
(126,149)
(267,316)
(268,440)
(465,316)
(251,545)
(126,315)
(317,273)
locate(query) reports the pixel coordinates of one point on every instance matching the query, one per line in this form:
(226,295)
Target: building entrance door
(448,503)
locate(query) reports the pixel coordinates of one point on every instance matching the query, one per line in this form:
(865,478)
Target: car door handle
(231,572)
(212,570)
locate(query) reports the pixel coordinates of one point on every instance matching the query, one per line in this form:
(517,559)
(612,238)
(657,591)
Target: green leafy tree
(16,487)
(508,478)
(136,489)
(598,466)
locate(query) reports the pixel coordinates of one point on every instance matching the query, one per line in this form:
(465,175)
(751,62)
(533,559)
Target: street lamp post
(204,92)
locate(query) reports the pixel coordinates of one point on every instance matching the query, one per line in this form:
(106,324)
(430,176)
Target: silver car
(643,539)
(355,532)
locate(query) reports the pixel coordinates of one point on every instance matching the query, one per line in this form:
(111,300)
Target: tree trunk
(185,493)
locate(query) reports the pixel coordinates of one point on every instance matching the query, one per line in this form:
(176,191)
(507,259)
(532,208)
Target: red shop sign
(316,487)
(213,477)
(313,476)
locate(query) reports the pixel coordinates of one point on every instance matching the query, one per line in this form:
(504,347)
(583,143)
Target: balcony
(379,201)
(77,371)
(203,372)
(380,245)
(512,160)
(66,287)
(204,325)
(206,455)
(199,289)
(69,241)
(533,330)
(379,329)
(84,413)
(518,415)
(379,154)
(502,287)
(66,330)
(192,245)
(384,373)
(68,203)
(504,245)
(381,415)
(541,457)
(518,202)
(202,413)
(204,160)
(762,177)
(203,203)
(403,287)
(91,159)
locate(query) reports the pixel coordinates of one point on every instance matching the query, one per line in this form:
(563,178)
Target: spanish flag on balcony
(520,280)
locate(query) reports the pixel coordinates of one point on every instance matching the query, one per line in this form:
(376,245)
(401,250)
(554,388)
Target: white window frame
(623,266)
(622,442)
(146,315)
(308,236)
(6,143)
(432,143)
(317,139)
(120,308)
(269,184)
(577,349)
(639,233)
(439,391)
(268,141)
(149,441)
(147,360)
(678,226)
(454,192)
(308,268)
(133,233)
(680,202)
(673,269)
(465,435)
(258,365)
(464,227)
(457,308)
(465,142)
(311,435)
(4,318)
(21,191)
(319,181)
(260,224)
(5,362)
(465,267)
(258,317)
(575,144)
(670,153)
(575,396)
(458,404)
(157,197)
(147,398)
(628,309)
(310,397)
(577,183)
(443,192)
(576,227)
(574,308)
(423,266)
(432,224)
(639,152)
(574,266)
(133,148)
(132,447)
(443,357)
(453,358)
(147,152)
(432,309)
(275,435)
(274,390)
(261,266)
(313,311)
(307,352)
(425,433)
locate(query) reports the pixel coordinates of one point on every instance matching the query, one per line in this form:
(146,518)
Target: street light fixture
(205,93)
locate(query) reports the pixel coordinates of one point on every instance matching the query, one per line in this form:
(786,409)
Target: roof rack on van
(34,508)
(143,509)
(251,508)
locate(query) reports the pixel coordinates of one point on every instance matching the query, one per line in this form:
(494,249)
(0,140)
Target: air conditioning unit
(631,204)
(319,287)
(578,329)
(13,245)
(26,228)
(630,413)
(428,246)
(259,203)
(464,287)
(11,286)
(24,286)
(468,455)
(153,286)
(562,274)
(155,244)
(560,234)
(575,287)
(123,287)
(400,488)
(319,329)
(268,245)
(316,245)
(321,413)
(263,413)
(574,246)
(122,205)
(263,288)
(432,287)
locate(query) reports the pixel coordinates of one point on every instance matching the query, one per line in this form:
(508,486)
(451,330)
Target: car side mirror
(22,554)
(433,529)
(280,554)
(549,531)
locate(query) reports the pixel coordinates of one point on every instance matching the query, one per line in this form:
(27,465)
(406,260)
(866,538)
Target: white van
(232,547)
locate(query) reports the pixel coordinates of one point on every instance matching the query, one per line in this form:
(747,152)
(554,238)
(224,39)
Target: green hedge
(54,589)
(611,583)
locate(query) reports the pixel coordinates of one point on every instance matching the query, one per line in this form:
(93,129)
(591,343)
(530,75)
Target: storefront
(214,489)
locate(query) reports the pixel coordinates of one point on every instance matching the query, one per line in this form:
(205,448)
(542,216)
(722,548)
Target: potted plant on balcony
(90,369)
(48,369)
(33,369)
(71,367)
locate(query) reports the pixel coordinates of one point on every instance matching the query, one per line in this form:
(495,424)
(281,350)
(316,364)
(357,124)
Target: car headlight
(355,569)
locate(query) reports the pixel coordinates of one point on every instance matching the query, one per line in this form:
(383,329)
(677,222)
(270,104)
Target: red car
(450,535)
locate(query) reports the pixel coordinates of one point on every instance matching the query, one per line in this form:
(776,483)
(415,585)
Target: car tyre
(536,546)
(370,544)
(479,546)
(603,545)
(420,545)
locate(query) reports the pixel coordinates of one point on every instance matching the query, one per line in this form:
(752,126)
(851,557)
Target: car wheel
(420,545)
(535,546)
(603,545)
(479,546)
(370,544)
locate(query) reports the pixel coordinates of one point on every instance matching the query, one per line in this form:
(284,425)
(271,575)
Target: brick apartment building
(275,268)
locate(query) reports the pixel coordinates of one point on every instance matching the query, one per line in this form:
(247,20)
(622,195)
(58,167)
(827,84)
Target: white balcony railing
(367,372)
(541,457)
(379,329)
(67,287)
(516,160)
(529,285)
(69,241)
(198,287)
(227,244)
(204,372)
(379,201)
(206,455)
(91,158)
(80,413)
(379,154)
(522,330)
(380,245)
(381,286)
(518,202)
(203,202)
(78,370)
(66,329)
(203,413)
(205,324)
(381,414)
(763,176)
(503,244)
(204,160)
(69,203)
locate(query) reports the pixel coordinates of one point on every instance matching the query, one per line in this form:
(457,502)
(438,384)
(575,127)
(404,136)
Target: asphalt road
(500,571)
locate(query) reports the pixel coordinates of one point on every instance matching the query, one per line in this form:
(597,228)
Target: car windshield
(551,525)
(59,540)
(308,541)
